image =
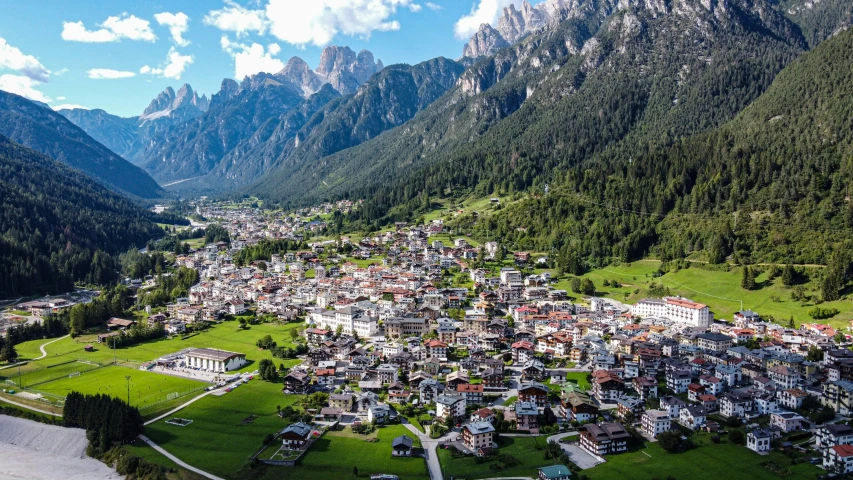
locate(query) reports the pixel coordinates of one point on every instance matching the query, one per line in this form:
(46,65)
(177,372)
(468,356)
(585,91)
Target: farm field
(707,462)
(223,436)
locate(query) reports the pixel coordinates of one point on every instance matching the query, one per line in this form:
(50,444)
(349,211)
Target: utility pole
(128,389)
(115,360)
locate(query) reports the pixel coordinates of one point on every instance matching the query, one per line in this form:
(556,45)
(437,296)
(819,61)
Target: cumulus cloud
(23,86)
(433,6)
(238,19)
(173,67)
(178,24)
(486,11)
(109,74)
(13,59)
(29,73)
(252,59)
(315,22)
(113,29)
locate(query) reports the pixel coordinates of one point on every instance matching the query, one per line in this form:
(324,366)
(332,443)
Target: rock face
(299,73)
(345,70)
(184,105)
(517,23)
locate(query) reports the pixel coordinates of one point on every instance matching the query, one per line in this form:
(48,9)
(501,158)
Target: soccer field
(146,388)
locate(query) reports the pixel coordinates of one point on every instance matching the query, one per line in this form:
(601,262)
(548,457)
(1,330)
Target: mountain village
(392,336)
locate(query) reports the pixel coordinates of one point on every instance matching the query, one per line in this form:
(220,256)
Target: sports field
(224,336)
(146,388)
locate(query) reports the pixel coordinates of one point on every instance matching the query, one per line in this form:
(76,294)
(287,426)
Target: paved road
(430,447)
(30,408)
(43,352)
(178,460)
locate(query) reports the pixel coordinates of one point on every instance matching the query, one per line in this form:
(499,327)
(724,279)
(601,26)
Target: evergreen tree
(788,275)
(747,281)
(7,352)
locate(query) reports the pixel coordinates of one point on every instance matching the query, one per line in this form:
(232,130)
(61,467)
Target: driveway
(580,457)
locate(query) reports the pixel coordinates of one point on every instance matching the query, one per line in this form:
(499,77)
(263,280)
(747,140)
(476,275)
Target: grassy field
(720,290)
(579,378)
(707,462)
(334,455)
(224,336)
(144,451)
(218,440)
(146,388)
(527,450)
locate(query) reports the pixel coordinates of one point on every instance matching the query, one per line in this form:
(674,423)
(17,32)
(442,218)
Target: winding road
(178,460)
(41,348)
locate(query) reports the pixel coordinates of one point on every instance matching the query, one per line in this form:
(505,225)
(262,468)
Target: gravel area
(35,451)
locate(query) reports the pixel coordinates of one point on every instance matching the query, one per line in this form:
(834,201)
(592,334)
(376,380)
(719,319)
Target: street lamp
(128,389)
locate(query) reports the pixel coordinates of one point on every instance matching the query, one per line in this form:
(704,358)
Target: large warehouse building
(215,360)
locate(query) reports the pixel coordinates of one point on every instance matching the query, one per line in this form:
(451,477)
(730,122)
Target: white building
(214,360)
(447,405)
(677,309)
(350,319)
(656,422)
(838,458)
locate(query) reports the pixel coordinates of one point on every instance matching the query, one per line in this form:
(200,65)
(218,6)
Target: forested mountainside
(58,226)
(818,19)
(601,138)
(770,185)
(51,134)
(522,118)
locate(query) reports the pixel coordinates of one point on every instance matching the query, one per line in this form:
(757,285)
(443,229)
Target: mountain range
(553,98)
(51,134)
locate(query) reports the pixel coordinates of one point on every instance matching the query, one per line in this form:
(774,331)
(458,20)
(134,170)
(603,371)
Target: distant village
(508,352)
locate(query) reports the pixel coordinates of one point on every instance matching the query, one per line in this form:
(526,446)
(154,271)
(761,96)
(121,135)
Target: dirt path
(43,352)
(178,460)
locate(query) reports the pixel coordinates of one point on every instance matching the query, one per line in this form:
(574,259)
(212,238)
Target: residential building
(656,422)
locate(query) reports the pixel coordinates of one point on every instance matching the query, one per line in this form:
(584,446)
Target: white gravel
(35,451)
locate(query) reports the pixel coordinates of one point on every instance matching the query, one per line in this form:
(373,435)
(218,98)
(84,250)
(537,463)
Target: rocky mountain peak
(345,69)
(301,75)
(485,42)
(168,102)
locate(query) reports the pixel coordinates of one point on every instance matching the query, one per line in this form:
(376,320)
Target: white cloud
(68,106)
(178,24)
(13,59)
(238,19)
(109,74)
(433,6)
(486,11)
(252,59)
(173,67)
(113,29)
(60,72)
(23,86)
(60,98)
(314,22)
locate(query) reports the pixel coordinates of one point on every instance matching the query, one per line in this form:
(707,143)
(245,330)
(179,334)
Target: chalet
(604,438)
(296,382)
(342,401)
(526,414)
(402,446)
(533,392)
(473,394)
(476,435)
(296,436)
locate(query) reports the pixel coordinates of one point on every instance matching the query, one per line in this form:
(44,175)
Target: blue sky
(117,55)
